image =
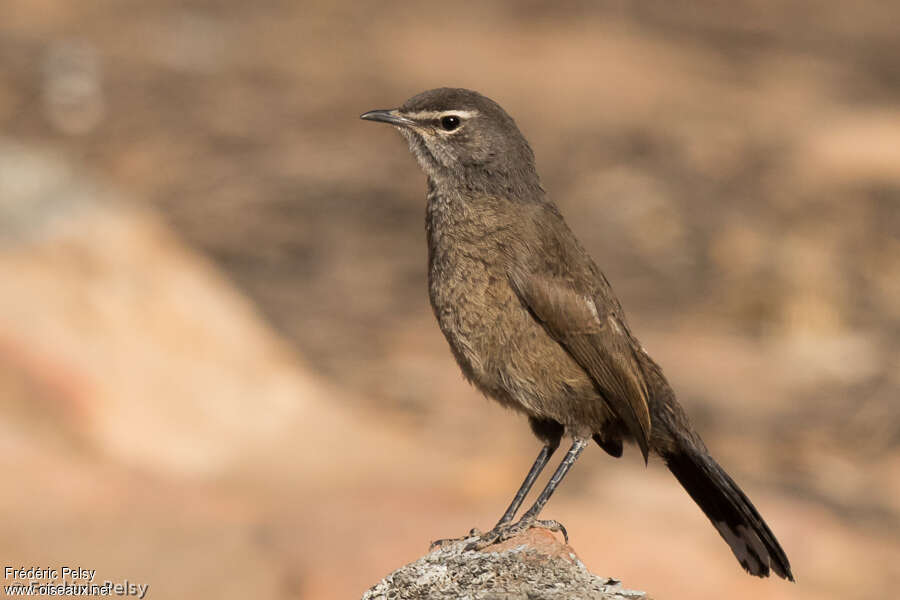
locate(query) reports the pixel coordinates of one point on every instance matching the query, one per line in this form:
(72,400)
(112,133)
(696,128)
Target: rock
(534,566)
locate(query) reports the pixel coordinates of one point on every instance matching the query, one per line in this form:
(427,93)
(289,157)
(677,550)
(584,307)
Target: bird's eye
(450,122)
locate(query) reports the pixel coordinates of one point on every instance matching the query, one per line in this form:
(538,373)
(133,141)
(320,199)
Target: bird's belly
(504,352)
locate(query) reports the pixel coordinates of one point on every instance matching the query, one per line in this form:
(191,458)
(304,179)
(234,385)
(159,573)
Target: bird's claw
(554,526)
(501,533)
(473,533)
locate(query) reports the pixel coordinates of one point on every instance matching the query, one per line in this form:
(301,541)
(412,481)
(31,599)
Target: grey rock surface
(533,566)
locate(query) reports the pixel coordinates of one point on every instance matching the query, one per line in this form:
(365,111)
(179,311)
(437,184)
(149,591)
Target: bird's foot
(506,531)
(473,533)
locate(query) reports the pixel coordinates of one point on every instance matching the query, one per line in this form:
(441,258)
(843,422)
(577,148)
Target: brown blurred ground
(218,368)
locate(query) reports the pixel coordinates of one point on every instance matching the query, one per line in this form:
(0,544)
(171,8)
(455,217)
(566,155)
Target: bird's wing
(596,338)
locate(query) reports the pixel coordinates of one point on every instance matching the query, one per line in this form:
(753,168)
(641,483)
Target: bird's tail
(729,509)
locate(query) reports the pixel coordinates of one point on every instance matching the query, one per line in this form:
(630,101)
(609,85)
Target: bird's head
(460,136)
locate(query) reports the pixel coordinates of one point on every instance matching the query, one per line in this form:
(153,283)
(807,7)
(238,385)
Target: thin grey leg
(538,466)
(578,444)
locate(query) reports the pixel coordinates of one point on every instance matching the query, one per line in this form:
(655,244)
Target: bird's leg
(578,444)
(538,466)
(504,531)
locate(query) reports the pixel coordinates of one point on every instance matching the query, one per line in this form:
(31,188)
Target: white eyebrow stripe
(425,115)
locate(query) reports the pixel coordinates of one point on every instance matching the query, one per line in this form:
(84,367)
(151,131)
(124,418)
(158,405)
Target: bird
(534,324)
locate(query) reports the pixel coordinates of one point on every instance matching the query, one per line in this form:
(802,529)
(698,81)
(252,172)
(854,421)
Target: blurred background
(219,373)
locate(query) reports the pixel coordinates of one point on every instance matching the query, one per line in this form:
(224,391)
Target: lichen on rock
(532,566)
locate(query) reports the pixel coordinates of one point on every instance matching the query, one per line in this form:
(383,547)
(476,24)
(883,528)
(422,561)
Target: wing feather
(597,339)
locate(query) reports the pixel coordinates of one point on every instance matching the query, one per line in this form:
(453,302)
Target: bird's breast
(470,297)
(496,341)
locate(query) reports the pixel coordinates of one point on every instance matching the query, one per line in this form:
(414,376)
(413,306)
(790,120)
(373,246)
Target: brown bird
(534,324)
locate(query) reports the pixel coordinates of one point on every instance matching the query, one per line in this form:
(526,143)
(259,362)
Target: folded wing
(596,338)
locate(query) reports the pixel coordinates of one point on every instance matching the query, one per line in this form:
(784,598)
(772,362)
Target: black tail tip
(760,569)
(731,513)
(752,542)
(783,571)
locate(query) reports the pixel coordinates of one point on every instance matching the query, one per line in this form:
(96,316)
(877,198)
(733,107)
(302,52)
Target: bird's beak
(392,117)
